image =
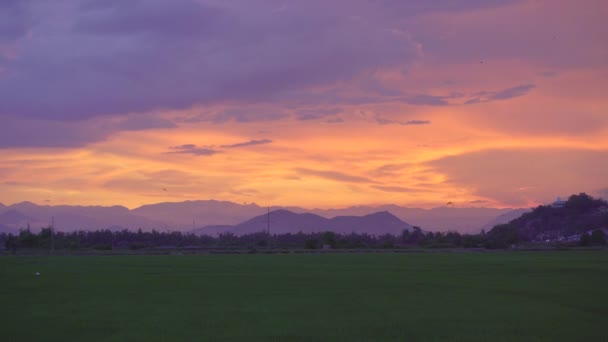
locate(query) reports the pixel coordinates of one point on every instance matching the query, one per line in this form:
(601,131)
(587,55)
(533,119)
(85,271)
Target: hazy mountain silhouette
(506,218)
(211,212)
(12,217)
(204,213)
(8,229)
(465,220)
(70,218)
(180,215)
(284,221)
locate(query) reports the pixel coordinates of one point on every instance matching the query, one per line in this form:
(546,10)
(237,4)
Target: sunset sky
(316,103)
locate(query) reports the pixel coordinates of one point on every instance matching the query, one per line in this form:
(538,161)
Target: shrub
(312,244)
(598,238)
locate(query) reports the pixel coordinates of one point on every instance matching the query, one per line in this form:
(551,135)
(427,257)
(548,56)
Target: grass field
(537,296)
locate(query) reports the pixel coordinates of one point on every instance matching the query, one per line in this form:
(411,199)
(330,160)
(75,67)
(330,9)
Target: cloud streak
(248,143)
(384,121)
(211,150)
(193,150)
(398,189)
(504,94)
(333,175)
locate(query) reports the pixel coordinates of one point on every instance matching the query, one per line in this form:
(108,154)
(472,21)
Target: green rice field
(516,296)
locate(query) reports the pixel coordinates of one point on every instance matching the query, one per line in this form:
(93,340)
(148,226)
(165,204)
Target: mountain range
(284,221)
(190,215)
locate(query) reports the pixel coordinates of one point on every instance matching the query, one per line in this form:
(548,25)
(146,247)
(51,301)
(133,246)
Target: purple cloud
(509,93)
(399,189)
(384,121)
(417,122)
(426,100)
(15,132)
(246,115)
(91,58)
(144,122)
(314,114)
(248,143)
(193,150)
(14,20)
(421,7)
(333,175)
(390,170)
(210,150)
(513,92)
(25,132)
(157,19)
(334,120)
(514,34)
(548,73)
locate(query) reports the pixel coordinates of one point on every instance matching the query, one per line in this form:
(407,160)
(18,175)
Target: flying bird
(449,203)
(164,189)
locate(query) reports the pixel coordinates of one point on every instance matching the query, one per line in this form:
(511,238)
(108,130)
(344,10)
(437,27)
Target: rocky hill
(562,221)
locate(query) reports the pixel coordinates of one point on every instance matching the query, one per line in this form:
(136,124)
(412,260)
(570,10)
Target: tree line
(47,239)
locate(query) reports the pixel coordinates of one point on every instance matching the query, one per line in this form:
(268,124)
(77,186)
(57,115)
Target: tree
(503,236)
(416,235)
(582,203)
(27,239)
(598,238)
(329,238)
(585,240)
(11,243)
(405,236)
(311,244)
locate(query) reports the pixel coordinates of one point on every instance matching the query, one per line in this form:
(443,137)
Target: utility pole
(268,226)
(52,235)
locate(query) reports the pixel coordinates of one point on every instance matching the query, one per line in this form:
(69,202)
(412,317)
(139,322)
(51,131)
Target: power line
(52,235)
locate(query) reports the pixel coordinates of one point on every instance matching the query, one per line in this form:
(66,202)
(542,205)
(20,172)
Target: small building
(559,203)
(573,238)
(577,237)
(603,229)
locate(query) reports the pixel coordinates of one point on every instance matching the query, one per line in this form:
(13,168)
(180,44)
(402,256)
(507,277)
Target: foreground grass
(364,297)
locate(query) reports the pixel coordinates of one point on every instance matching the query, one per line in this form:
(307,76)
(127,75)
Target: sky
(316,103)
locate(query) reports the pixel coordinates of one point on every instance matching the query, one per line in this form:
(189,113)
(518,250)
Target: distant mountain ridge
(184,216)
(284,221)
(505,218)
(12,217)
(71,218)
